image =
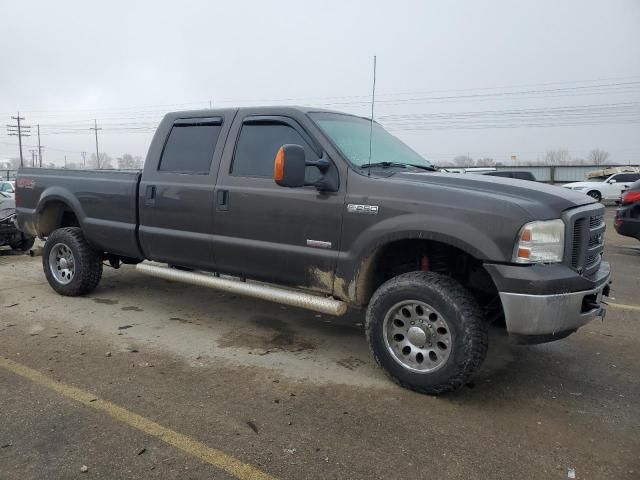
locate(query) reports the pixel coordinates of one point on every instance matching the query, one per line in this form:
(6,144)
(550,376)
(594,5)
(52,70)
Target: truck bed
(105,203)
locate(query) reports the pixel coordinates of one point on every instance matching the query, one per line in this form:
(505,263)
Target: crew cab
(329,212)
(607,188)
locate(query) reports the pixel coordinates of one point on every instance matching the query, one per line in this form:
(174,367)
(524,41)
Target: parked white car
(609,188)
(7,187)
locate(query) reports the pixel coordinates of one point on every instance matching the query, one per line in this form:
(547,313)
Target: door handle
(150,195)
(222,200)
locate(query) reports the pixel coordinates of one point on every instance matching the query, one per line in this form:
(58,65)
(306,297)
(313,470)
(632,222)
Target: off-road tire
(24,244)
(463,315)
(88,262)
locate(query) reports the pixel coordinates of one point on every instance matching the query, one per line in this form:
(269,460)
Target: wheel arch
(57,209)
(357,282)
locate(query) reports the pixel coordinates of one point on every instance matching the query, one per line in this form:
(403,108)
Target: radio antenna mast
(373,102)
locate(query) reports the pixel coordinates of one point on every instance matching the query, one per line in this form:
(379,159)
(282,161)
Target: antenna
(373,102)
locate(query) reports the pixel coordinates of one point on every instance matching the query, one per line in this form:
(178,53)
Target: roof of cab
(264,110)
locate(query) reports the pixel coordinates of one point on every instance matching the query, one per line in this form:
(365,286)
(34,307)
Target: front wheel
(71,265)
(595,195)
(426,331)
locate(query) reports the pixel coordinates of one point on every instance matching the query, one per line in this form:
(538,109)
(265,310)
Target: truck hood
(539,199)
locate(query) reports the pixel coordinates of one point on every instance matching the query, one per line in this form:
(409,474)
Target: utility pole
(33,156)
(95,129)
(17,131)
(210,104)
(65,161)
(40,147)
(84,159)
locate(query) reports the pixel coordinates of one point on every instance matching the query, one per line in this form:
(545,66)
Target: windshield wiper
(423,167)
(384,165)
(398,164)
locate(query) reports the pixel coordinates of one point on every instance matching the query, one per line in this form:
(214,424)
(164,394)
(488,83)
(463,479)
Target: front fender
(356,263)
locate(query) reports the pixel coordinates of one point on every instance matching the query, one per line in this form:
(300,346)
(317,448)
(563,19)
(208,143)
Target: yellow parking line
(217,458)
(621,306)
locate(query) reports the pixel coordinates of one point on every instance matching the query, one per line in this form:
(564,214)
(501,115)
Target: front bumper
(542,303)
(552,316)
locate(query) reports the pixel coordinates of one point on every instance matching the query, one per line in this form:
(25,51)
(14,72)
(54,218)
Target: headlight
(540,242)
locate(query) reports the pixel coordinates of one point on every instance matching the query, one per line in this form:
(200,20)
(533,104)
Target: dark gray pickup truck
(298,206)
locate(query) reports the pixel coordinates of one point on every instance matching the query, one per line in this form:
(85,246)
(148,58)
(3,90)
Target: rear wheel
(426,331)
(595,194)
(71,266)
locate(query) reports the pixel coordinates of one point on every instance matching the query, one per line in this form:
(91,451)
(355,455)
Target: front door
(267,232)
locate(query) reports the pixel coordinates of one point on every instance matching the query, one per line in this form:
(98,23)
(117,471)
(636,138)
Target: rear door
(177,194)
(267,232)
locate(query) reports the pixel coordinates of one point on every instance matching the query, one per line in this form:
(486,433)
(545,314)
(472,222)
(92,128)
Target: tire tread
(90,262)
(476,330)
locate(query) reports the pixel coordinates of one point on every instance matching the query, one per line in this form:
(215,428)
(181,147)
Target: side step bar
(330,306)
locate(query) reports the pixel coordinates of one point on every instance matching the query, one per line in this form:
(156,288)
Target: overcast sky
(488,78)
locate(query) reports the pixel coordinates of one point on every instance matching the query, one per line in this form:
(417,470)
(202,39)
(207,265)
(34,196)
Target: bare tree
(556,157)
(598,156)
(105,161)
(15,163)
(463,161)
(127,161)
(485,162)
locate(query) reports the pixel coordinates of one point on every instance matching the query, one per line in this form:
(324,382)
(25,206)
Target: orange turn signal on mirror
(278,165)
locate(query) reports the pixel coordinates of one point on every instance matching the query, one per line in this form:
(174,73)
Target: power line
(613,82)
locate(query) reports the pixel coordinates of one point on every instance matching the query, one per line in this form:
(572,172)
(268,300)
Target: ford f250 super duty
(329,212)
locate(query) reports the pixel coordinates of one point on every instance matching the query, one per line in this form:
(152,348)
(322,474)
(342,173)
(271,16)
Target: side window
(257,148)
(189,148)
(627,177)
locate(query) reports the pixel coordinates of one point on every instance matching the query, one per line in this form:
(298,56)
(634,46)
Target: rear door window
(190,147)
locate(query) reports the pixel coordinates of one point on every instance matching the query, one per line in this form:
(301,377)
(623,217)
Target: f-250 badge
(364,209)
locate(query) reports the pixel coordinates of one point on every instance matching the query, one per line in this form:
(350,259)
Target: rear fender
(51,207)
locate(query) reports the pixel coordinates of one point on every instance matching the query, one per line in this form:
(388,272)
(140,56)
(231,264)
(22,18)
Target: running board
(327,305)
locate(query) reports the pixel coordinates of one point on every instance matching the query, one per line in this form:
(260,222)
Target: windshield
(351,135)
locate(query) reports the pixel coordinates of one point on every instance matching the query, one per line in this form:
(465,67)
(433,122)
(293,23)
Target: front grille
(578,227)
(591,259)
(595,221)
(594,241)
(586,242)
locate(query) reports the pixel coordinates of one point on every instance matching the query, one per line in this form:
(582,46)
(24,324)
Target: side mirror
(289,169)
(289,166)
